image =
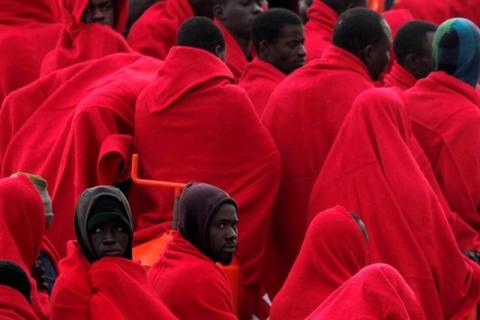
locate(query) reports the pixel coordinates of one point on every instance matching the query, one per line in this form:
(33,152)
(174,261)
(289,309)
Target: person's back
(186,276)
(221,141)
(322,17)
(305,113)
(446,118)
(278,40)
(413,55)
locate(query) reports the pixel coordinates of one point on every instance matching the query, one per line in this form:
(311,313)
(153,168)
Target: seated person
(186,277)
(15,292)
(326,260)
(98,274)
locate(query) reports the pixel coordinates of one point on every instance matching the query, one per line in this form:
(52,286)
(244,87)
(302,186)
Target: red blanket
(398,78)
(371,171)
(22,227)
(28,31)
(469,9)
(14,306)
(220,142)
(430,10)
(304,115)
(446,121)
(191,284)
(319,29)
(334,249)
(376,292)
(92,105)
(81,42)
(154,33)
(396,19)
(259,80)
(235,57)
(110,288)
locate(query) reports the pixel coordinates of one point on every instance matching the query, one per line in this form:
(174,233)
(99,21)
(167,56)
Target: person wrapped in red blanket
(30,29)
(15,293)
(186,277)
(376,292)
(372,171)
(278,40)
(155,31)
(322,17)
(92,105)
(304,115)
(91,29)
(444,108)
(22,223)
(235,19)
(98,274)
(221,142)
(326,260)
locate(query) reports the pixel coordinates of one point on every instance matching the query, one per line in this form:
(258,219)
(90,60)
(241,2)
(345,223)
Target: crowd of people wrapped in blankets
(344,143)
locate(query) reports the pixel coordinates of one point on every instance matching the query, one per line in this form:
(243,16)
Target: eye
(119,229)
(97,230)
(221,225)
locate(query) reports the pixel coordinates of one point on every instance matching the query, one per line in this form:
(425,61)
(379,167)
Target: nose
(98,14)
(108,238)
(301,51)
(231,234)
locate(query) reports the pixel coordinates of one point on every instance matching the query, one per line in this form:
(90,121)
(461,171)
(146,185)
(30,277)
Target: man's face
(424,62)
(100,11)
(109,239)
(238,15)
(222,234)
(288,52)
(378,57)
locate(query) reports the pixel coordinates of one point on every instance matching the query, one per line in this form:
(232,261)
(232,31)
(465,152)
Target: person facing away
(444,108)
(335,248)
(15,293)
(220,133)
(154,33)
(91,29)
(187,277)
(278,39)
(322,17)
(98,273)
(413,53)
(304,114)
(235,19)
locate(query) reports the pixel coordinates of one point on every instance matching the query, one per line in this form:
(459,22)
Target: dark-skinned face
(424,62)
(101,12)
(222,234)
(238,15)
(288,53)
(109,239)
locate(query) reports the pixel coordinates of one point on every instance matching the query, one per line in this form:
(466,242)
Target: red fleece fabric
(319,29)
(430,10)
(14,306)
(22,227)
(191,284)
(235,57)
(81,42)
(259,79)
(92,105)
(326,260)
(304,115)
(396,19)
(155,32)
(469,9)
(371,171)
(376,292)
(220,142)
(446,121)
(398,78)
(110,288)
(29,31)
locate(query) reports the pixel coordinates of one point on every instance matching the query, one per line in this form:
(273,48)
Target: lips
(112,253)
(230,248)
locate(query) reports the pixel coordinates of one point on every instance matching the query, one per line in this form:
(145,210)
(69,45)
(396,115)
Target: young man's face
(288,53)
(100,11)
(109,239)
(238,15)
(222,234)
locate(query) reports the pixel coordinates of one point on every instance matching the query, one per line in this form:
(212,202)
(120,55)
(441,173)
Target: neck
(244,44)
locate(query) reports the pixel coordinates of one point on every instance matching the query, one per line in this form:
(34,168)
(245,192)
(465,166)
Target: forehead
(226,212)
(291,31)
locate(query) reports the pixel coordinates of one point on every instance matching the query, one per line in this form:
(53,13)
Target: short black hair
(200,32)
(11,275)
(357,28)
(410,39)
(268,25)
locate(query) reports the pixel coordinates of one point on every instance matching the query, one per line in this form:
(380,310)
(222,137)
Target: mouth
(112,253)
(230,249)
